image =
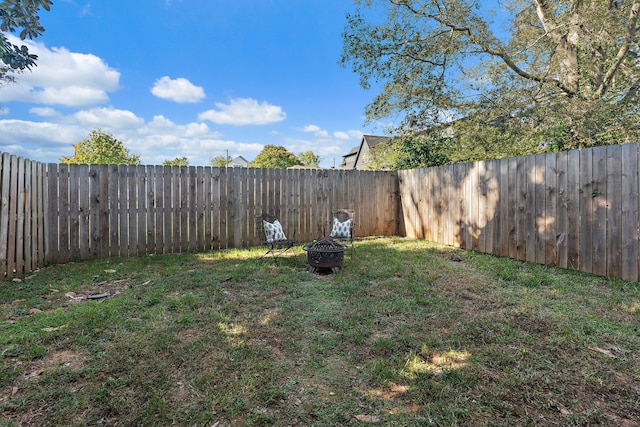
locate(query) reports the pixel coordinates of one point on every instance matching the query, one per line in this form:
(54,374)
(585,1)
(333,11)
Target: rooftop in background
(358,156)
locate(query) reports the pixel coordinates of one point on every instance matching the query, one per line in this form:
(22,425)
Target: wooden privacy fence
(117,210)
(57,213)
(575,209)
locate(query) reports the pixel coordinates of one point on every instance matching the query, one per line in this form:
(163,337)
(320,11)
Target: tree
(220,161)
(7,75)
(565,76)
(101,148)
(309,159)
(20,15)
(411,152)
(274,156)
(178,161)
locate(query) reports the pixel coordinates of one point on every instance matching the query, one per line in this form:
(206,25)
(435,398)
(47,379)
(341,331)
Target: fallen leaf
(74,297)
(110,271)
(35,373)
(35,311)
(603,351)
(368,418)
(14,391)
(54,329)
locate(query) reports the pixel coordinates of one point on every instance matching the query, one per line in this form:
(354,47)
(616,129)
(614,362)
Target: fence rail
(576,209)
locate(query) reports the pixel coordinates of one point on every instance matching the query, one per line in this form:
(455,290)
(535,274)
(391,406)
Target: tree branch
(624,49)
(499,53)
(542,9)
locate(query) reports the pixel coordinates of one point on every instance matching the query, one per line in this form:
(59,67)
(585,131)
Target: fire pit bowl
(325,254)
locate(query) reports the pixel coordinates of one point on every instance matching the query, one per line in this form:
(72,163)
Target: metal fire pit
(325,254)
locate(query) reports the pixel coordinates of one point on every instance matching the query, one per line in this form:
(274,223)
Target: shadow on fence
(575,209)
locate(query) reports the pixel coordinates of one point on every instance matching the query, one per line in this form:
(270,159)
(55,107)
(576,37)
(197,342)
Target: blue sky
(194,78)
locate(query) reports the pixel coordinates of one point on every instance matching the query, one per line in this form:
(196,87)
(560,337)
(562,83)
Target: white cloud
(244,111)
(317,131)
(179,90)
(45,142)
(155,141)
(62,78)
(108,118)
(341,135)
(44,111)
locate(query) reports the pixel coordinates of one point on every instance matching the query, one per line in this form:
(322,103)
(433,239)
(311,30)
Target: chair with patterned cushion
(342,227)
(270,232)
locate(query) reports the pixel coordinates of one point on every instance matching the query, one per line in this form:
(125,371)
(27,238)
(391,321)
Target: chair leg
(277,251)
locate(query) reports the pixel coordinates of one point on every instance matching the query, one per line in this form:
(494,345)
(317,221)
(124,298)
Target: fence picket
(614,213)
(630,218)
(599,204)
(561,209)
(586,210)
(167,209)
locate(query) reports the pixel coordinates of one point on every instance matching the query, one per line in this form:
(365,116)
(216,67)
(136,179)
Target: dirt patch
(63,359)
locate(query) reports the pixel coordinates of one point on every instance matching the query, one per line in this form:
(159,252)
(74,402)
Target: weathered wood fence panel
(22,215)
(577,209)
(109,211)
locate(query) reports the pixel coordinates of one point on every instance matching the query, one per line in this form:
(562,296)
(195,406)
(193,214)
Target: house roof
(240,159)
(350,160)
(353,151)
(373,140)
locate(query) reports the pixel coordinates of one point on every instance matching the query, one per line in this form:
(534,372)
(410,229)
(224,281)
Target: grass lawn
(408,334)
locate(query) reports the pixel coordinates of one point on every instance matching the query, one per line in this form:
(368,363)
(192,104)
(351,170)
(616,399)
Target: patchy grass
(408,333)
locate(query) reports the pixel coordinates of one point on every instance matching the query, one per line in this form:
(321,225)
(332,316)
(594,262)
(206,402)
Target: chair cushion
(341,230)
(273,231)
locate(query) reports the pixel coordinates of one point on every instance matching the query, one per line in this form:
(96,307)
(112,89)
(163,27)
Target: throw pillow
(273,231)
(341,230)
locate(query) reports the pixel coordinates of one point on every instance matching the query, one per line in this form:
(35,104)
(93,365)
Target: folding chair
(271,234)
(342,227)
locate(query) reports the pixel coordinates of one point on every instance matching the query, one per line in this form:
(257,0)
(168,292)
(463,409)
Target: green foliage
(7,75)
(309,159)
(178,161)
(219,161)
(422,151)
(275,157)
(101,148)
(20,15)
(564,76)
(384,156)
